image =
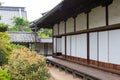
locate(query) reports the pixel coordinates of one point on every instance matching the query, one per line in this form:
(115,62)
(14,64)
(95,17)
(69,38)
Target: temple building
(8,12)
(85,32)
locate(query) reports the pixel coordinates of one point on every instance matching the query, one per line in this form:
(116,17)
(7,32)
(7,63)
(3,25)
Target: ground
(58,74)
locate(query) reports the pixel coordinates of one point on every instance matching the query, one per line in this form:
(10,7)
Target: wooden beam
(65,39)
(107,18)
(88,40)
(74,17)
(52,40)
(58,28)
(88,48)
(45,49)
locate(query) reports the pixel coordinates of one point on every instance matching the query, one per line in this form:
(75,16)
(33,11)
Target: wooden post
(46,49)
(52,40)
(107,22)
(88,40)
(65,40)
(58,29)
(74,17)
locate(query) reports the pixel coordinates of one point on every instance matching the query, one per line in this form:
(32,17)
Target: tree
(45,33)
(1,3)
(3,26)
(5,47)
(0,17)
(20,24)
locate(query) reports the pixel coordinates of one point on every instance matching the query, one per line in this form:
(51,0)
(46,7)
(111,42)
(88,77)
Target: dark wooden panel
(112,68)
(92,63)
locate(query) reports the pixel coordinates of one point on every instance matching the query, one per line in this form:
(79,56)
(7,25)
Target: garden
(18,62)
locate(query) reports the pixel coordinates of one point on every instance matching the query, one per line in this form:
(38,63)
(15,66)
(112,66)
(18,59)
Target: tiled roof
(22,37)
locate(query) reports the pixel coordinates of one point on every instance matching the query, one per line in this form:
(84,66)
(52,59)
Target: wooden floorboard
(99,74)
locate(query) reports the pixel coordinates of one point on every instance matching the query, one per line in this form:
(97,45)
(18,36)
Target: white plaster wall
(63,44)
(54,44)
(78,52)
(93,46)
(55,27)
(103,46)
(50,49)
(68,45)
(114,12)
(59,45)
(83,46)
(70,25)
(114,46)
(41,49)
(73,45)
(97,17)
(62,27)
(81,22)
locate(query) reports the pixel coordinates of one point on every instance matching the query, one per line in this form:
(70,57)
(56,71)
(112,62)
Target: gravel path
(61,75)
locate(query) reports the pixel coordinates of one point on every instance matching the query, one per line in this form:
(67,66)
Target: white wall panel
(41,48)
(68,45)
(97,17)
(81,22)
(93,46)
(114,46)
(63,44)
(50,49)
(103,46)
(70,25)
(73,45)
(54,44)
(55,28)
(59,45)
(114,12)
(83,46)
(78,45)
(62,27)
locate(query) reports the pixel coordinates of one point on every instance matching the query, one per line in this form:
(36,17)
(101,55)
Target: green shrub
(3,27)
(5,48)
(18,46)
(27,65)
(4,75)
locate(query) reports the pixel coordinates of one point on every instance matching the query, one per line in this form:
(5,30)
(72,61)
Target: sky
(34,8)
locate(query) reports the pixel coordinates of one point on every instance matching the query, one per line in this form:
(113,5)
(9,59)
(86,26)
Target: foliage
(45,33)
(3,27)
(20,24)
(4,74)
(18,46)
(5,48)
(0,17)
(27,65)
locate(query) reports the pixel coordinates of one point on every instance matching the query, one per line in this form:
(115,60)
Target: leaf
(20,24)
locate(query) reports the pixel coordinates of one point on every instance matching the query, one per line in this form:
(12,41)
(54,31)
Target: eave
(66,9)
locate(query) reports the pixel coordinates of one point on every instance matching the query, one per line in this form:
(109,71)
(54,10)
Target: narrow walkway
(88,71)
